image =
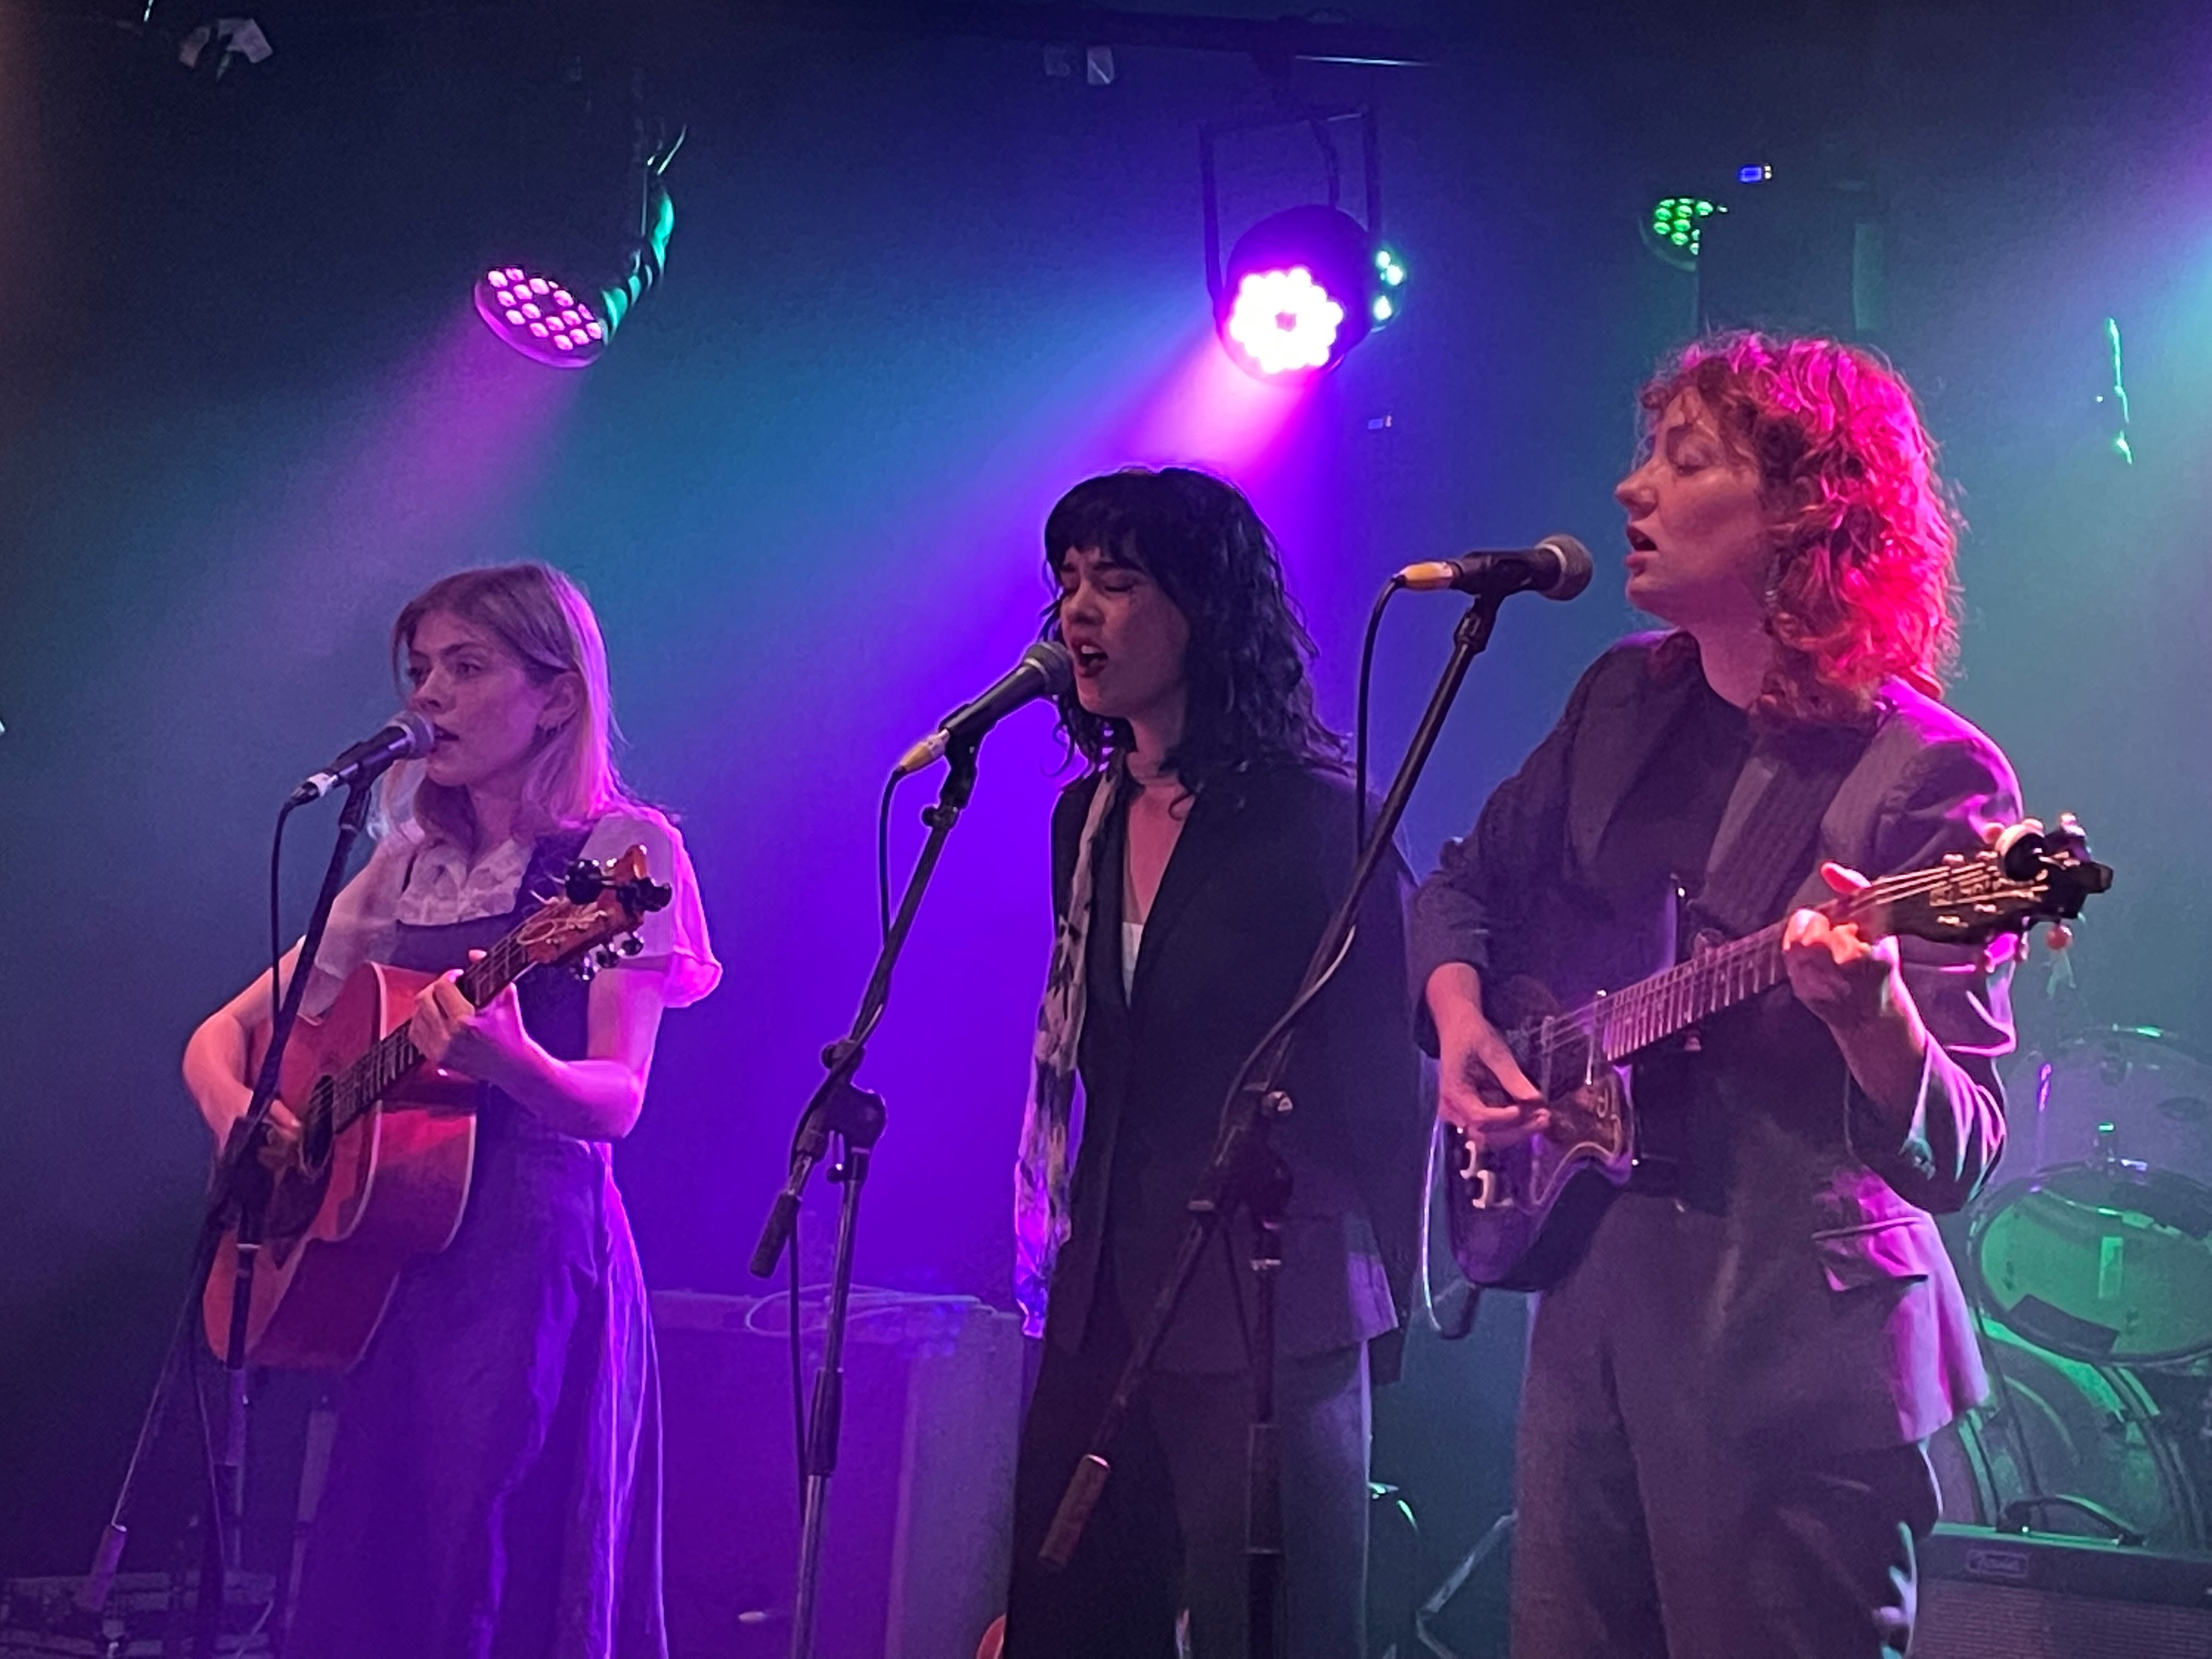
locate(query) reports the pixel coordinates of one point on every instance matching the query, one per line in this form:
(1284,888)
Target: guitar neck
(365,1082)
(1671,1001)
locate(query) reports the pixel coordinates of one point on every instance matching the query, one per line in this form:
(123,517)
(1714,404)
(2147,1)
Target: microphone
(1045,669)
(1558,568)
(405,736)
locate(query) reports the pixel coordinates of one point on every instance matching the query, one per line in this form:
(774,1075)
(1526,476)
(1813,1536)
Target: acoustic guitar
(379,1174)
(1519,1216)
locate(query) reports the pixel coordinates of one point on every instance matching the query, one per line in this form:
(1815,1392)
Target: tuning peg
(584,968)
(604,958)
(632,945)
(585,882)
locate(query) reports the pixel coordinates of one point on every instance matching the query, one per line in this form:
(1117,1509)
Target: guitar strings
(363,1083)
(1758,951)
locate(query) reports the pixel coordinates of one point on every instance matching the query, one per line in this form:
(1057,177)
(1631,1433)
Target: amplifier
(916,1531)
(1987,1594)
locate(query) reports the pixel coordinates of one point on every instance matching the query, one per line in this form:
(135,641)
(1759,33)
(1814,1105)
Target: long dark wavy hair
(1247,696)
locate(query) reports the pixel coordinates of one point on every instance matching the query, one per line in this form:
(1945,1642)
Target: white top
(430,883)
(1132,941)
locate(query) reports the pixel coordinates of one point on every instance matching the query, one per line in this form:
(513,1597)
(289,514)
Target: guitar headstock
(2028,874)
(598,904)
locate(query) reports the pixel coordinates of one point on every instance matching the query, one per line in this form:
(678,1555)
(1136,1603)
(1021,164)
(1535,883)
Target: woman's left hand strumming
(488,1044)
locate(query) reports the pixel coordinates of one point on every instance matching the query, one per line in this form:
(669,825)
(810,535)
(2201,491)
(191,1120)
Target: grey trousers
(1649,1526)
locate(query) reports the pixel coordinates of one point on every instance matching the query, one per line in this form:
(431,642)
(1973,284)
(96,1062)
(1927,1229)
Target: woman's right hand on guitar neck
(1480,1088)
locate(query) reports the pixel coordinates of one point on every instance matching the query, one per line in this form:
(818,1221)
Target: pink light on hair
(1863,586)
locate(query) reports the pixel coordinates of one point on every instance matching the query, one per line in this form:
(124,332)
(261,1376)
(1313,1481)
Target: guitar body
(1519,1218)
(354,1205)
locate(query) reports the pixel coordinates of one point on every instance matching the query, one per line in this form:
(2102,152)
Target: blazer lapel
(1180,883)
(1628,715)
(1103,947)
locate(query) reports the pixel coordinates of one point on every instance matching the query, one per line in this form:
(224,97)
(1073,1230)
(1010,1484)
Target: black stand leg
(856,1118)
(237,1193)
(1245,1172)
(1263,1519)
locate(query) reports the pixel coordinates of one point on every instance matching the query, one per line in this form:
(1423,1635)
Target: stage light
(586,239)
(1302,288)
(1671,230)
(537,311)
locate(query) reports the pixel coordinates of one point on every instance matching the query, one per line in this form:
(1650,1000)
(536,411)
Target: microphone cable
(1359,731)
(1460,1327)
(277,914)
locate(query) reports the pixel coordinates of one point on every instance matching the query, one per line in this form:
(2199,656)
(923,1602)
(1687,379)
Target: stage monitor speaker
(915,1531)
(1987,1594)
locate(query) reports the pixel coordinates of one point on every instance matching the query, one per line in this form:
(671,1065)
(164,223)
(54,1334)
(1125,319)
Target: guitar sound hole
(299,1191)
(317,1136)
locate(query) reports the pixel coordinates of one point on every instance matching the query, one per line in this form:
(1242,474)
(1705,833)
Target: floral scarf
(1046,1156)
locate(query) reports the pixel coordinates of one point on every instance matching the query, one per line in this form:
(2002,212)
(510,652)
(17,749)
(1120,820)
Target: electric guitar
(379,1174)
(1519,1216)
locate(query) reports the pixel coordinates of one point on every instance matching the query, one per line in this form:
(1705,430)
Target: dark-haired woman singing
(1194,866)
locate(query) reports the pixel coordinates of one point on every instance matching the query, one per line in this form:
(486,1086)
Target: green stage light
(1674,229)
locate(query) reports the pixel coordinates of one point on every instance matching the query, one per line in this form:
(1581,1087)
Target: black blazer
(1847,1325)
(1260,866)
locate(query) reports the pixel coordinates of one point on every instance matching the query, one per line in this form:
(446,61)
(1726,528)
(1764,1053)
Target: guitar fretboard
(1672,1001)
(365,1082)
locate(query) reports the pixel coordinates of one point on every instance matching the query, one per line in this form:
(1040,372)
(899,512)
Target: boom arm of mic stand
(1252,1103)
(810,1142)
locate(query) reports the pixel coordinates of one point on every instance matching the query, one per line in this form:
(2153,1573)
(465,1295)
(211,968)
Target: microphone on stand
(1045,669)
(1558,568)
(405,736)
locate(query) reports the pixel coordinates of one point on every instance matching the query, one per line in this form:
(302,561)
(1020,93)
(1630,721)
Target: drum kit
(2089,1264)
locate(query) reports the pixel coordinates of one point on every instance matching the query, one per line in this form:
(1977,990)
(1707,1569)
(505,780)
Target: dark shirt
(1663,832)
(1659,841)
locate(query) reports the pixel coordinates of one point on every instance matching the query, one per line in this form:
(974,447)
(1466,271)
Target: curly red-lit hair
(1863,586)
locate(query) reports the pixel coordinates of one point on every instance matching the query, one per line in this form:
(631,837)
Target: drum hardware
(2069,1448)
(2102,1249)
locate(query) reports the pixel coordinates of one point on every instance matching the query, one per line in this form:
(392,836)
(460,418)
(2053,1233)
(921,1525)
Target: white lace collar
(442,888)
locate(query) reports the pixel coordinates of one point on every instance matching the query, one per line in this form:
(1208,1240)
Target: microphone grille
(1575,566)
(1056,663)
(421,739)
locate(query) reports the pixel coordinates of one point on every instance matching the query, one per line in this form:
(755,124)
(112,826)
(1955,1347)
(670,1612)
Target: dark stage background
(918,287)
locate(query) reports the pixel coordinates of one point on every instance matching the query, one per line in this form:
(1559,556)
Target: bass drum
(2102,1249)
(2056,1429)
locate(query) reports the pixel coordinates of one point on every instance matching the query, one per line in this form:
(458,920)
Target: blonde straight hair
(541,617)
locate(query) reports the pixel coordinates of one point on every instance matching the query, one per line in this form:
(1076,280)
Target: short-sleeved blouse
(428,883)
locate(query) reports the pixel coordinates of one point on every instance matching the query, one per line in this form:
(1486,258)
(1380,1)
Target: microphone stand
(238,1190)
(855,1116)
(1247,1172)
